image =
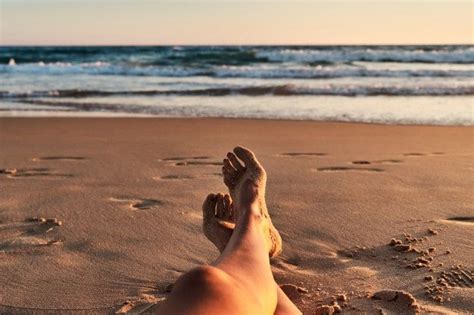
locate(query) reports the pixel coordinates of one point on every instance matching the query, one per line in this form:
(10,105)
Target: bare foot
(246,185)
(218,219)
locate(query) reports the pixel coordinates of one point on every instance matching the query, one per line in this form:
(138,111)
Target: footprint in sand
(364,162)
(422,154)
(458,276)
(189,161)
(58,158)
(302,154)
(184,177)
(192,160)
(138,203)
(32,172)
(461,220)
(414,154)
(389,161)
(29,234)
(182,158)
(200,163)
(174,177)
(349,169)
(361,162)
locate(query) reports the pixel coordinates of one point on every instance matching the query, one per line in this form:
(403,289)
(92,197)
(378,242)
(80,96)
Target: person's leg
(206,290)
(284,305)
(240,281)
(218,226)
(246,257)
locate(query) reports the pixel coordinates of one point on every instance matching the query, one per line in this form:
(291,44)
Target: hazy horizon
(226,23)
(230,45)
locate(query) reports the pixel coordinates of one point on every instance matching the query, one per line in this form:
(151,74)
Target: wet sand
(95,213)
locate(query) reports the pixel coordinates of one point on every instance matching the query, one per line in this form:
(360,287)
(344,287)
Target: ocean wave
(340,71)
(463,55)
(423,110)
(276,90)
(206,56)
(138,56)
(99,68)
(255,71)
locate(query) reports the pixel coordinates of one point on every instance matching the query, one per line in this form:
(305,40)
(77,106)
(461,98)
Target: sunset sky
(141,22)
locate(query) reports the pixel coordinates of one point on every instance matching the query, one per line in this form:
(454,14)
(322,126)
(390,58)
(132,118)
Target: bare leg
(284,305)
(240,281)
(218,227)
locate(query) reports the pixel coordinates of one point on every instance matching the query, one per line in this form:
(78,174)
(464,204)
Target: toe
(235,162)
(229,167)
(229,177)
(247,156)
(229,173)
(209,206)
(220,206)
(228,181)
(228,207)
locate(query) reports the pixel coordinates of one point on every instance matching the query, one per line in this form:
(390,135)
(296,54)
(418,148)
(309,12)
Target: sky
(245,22)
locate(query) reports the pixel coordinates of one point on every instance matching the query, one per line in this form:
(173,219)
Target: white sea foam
(378,109)
(349,54)
(264,70)
(208,86)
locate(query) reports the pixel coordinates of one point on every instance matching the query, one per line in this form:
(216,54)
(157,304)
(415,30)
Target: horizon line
(243,45)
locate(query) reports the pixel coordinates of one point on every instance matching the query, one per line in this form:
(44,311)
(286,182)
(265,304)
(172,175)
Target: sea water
(380,84)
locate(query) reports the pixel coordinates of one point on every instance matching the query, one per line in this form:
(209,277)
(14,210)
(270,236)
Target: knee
(205,290)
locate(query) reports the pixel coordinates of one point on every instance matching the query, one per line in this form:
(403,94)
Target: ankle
(251,212)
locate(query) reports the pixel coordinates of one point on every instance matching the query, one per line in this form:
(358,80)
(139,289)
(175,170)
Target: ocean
(374,84)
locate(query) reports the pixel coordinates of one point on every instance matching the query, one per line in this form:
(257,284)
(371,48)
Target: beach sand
(373,217)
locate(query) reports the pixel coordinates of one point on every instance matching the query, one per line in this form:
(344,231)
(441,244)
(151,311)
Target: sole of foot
(217,223)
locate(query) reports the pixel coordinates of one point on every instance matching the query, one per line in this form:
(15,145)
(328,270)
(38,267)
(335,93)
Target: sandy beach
(102,215)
